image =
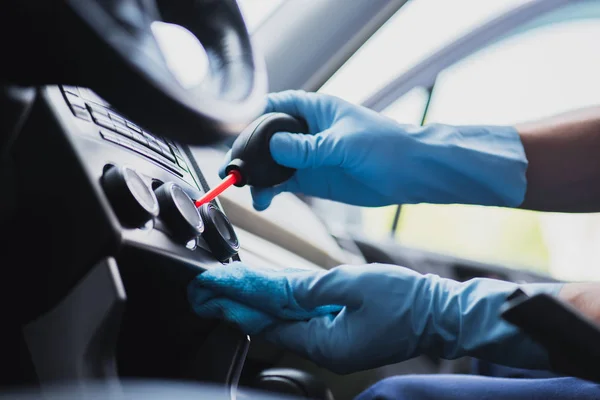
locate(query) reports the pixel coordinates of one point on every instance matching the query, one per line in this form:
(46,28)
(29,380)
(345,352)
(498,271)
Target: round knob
(131,198)
(178,212)
(219,233)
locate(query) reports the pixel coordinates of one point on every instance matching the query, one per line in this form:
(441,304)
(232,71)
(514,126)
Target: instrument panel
(113,189)
(92,185)
(114,128)
(148,180)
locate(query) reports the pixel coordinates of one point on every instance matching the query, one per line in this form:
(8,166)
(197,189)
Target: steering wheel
(109,46)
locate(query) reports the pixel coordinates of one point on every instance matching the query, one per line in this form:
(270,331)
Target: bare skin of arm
(564,176)
(585,297)
(564,162)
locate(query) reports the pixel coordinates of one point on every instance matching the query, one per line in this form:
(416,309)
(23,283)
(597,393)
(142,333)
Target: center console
(104,239)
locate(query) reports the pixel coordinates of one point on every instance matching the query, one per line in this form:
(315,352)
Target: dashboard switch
(219,233)
(132,199)
(178,212)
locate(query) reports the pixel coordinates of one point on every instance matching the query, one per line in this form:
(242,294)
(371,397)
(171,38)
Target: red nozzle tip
(233,178)
(237,175)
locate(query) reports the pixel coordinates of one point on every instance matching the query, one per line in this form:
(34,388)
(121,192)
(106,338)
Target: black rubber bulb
(251,155)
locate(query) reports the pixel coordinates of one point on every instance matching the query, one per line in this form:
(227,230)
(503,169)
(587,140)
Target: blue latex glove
(357,156)
(390,314)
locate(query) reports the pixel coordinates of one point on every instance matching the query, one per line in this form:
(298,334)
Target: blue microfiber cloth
(251,298)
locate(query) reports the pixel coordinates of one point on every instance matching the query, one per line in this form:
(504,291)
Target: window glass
(541,72)
(409,108)
(417,30)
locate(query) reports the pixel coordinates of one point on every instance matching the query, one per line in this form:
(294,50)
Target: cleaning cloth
(268,293)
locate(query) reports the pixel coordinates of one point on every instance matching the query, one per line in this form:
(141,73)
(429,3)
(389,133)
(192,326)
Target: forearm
(564,162)
(506,344)
(468,323)
(585,297)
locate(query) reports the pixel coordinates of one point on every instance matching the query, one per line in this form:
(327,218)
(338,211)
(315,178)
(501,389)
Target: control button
(165,149)
(133,126)
(94,108)
(111,137)
(175,149)
(123,130)
(219,233)
(162,140)
(103,121)
(154,146)
(116,118)
(74,100)
(70,89)
(141,149)
(149,136)
(138,137)
(169,156)
(158,159)
(90,96)
(178,212)
(100,117)
(128,144)
(81,113)
(105,124)
(132,199)
(181,163)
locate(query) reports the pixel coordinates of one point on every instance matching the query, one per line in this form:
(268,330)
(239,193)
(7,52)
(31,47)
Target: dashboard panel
(91,187)
(102,138)
(95,189)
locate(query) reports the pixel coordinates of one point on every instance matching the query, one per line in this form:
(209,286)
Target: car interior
(104,148)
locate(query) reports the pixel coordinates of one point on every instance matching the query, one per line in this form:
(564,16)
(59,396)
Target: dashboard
(105,227)
(142,173)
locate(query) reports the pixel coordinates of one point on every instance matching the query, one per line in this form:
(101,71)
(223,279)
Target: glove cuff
(467,322)
(506,165)
(482,165)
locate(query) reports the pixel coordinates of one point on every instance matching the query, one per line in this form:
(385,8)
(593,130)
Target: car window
(538,73)
(417,30)
(409,108)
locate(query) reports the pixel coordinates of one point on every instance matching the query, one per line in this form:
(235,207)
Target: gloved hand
(357,156)
(390,314)
(267,287)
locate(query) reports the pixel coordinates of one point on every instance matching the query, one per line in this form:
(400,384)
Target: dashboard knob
(219,233)
(178,212)
(132,199)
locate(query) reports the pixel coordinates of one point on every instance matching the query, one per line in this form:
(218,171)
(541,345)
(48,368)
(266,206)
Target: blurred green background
(505,236)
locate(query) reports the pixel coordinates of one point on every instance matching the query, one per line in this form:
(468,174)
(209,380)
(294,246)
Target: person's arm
(564,162)
(356,156)
(585,297)
(388,314)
